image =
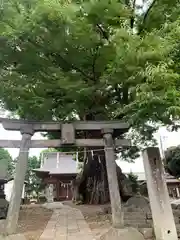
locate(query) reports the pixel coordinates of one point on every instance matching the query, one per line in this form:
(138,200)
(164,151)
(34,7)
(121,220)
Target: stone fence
(137,214)
(142,220)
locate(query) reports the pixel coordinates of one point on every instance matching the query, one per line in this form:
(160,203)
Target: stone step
(138,215)
(138,225)
(135,217)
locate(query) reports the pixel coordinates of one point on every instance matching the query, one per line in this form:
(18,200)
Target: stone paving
(67,223)
(13,237)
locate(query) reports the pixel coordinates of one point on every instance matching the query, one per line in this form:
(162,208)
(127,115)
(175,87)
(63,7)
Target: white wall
(8,190)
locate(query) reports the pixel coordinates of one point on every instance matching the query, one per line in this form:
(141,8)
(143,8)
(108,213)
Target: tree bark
(91,187)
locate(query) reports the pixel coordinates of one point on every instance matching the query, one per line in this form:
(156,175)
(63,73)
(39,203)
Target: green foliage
(134,182)
(92,60)
(173,161)
(80,167)
(34,184)
(159,13)
(7,161)
(43,152)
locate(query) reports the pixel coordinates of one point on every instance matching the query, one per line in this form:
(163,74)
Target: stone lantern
(3,181)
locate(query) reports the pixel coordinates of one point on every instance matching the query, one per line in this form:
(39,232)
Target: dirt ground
(33,220)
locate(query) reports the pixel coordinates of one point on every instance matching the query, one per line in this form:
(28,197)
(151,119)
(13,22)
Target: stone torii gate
(110,131)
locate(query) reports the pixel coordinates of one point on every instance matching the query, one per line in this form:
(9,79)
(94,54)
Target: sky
(168,138)
(14,135)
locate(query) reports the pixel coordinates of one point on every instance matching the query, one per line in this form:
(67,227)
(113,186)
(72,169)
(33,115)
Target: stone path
(67,223)
(13,237)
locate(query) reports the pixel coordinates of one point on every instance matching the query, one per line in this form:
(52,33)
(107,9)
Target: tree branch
(146,16)
(94,61)
(70,65)
(73,67)
(133,12)
(103,32)
(125,92)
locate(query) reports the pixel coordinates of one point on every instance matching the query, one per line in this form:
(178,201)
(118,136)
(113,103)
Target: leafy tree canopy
(34,184)
(134,182)
(6,161)
(43,152)
(93,59)
(173,161)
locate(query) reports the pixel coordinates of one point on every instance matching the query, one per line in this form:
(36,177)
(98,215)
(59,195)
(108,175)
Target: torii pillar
(163,220)
(117,213)
(21,168)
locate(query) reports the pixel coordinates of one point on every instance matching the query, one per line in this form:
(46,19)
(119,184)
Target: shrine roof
(142,177)
(58,163)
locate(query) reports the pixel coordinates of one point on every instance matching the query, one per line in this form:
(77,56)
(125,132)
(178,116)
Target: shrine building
(57,171)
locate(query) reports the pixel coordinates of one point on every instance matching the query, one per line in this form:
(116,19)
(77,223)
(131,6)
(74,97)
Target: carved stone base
(125,234)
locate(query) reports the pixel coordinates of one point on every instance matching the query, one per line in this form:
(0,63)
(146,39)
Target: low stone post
(163,220)
(117,214)
(20,172)
(49,193)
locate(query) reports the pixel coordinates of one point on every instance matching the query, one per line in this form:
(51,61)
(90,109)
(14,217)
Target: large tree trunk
(91,187)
